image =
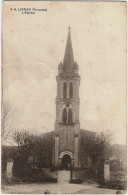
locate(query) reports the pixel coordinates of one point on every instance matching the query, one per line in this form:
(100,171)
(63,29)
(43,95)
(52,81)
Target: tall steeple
(68,61)
(67,133)
(69,66)
(67,124)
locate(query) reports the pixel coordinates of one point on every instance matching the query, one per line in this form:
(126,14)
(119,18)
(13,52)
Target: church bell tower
(67,124)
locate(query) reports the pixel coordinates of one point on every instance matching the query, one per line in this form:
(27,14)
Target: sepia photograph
(64,97)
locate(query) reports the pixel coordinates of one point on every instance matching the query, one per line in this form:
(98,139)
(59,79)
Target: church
(67,147)
(68,137)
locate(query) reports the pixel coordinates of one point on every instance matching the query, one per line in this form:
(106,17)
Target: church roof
(68,66)
(68,61)
(83,131)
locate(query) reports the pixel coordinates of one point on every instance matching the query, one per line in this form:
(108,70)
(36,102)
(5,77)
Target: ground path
(62,187)
(56,188)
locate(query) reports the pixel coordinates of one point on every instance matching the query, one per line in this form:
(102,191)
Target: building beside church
(68,136)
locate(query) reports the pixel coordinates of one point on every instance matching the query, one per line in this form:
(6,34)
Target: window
(64,115)
(70,90)
(70,116)
(64,90)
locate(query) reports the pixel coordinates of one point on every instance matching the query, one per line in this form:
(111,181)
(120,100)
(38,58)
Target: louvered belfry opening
(70,116)
(71,90)
(64,115)
(64,90)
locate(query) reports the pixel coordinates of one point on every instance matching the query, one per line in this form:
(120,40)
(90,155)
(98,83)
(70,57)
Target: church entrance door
(66,162)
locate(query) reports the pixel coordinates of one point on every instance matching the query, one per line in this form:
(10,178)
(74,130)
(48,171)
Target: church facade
(67,150)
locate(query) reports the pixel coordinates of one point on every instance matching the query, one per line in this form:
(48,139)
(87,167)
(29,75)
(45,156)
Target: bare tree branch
(7,121)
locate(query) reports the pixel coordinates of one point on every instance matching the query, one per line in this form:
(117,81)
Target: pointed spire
(68,61)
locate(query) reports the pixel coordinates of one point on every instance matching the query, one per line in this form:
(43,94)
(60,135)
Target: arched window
(64,115)
(64,90)
(70,90)
(70,115)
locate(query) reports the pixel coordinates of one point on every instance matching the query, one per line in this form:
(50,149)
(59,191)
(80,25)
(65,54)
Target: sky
(34,45)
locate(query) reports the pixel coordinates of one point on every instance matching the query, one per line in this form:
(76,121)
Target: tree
(7,122)
(43,149)
(101,148)
(25,142)
(39,146)
(98,147)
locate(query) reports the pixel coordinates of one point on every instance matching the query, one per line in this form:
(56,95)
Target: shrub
(11,181)
(117,185)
